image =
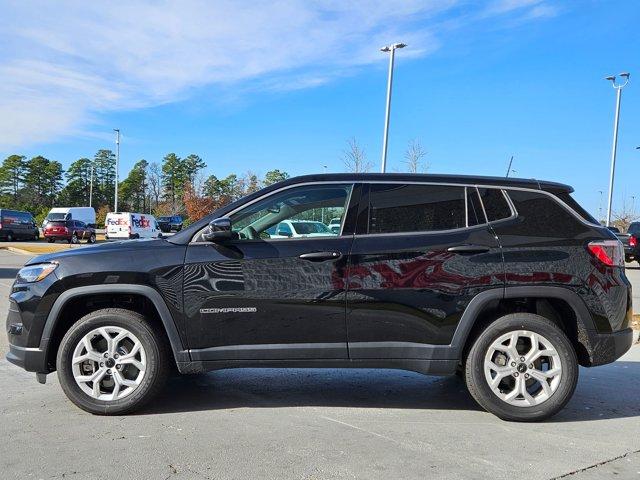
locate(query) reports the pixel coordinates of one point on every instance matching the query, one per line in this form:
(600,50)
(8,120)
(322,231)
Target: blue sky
(258,85)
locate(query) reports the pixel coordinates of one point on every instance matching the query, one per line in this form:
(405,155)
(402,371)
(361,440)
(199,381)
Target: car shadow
(366,388)
(8,272)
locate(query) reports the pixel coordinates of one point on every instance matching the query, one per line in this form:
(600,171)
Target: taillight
(633,241)
(609,252)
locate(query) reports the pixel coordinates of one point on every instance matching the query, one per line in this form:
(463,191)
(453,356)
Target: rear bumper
(608,347)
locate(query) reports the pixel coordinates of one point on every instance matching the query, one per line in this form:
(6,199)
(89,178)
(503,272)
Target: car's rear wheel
(9,237)
(51,240)
(92,238)
(112,362)
(74,238)
(522,367)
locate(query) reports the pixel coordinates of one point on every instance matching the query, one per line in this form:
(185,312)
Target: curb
(17,250)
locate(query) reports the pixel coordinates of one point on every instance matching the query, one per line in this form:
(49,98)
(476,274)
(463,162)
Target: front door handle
(468,249)
(320,256)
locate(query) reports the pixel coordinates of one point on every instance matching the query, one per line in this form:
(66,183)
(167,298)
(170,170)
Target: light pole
(391,49)
(325,168)
(115,202)
(91,185)
(618,87)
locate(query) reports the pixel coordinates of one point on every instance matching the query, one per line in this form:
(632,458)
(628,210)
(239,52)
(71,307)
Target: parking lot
(311,424)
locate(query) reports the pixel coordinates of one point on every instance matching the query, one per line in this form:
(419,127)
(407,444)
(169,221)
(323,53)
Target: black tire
(74,238)
(9,237)
(92,238)
(157,352)
(51,240)
(480,389)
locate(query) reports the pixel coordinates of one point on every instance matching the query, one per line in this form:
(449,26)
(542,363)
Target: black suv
(508,282)
(167,224)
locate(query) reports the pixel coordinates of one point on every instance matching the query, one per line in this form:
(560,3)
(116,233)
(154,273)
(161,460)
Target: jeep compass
(508,283)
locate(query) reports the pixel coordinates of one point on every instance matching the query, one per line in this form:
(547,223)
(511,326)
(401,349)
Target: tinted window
(495,205)
(571,202)
(634,228)
(412,208)
(283,229)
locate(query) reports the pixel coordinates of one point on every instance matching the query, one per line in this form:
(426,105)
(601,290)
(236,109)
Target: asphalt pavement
(315,424)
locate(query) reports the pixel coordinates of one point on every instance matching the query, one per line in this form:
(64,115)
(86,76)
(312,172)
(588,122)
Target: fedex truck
(127,225)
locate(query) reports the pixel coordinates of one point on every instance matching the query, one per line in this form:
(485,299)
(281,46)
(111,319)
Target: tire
(92,238)
(74,239)
(546,402)
(51,240)
(9,237)
(154,355)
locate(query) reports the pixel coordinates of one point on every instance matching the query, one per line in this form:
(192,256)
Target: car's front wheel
(112,362)
(522,367)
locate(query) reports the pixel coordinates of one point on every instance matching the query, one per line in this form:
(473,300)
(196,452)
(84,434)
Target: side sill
(426,367)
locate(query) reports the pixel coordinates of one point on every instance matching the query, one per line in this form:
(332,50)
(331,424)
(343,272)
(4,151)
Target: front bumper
(31,359)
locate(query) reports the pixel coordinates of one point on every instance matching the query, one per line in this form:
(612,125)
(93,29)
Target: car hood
(103,249)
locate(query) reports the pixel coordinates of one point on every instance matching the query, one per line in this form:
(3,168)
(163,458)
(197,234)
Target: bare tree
(155,182)
(354,158)
(413,157)
(623,218)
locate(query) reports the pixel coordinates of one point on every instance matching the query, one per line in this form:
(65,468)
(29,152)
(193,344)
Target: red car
(71,231)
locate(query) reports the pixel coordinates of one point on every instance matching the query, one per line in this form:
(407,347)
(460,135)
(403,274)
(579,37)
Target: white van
(127,225)
(84,214)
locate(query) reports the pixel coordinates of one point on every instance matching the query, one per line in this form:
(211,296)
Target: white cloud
(63,63)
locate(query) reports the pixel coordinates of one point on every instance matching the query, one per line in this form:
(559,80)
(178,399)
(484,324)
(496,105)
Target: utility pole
(115,202)
(618,87)
(391,49)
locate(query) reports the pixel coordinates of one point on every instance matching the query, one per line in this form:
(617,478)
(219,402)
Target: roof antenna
(509,167)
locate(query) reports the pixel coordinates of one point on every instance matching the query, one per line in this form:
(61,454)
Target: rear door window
(495,204)
(395,208)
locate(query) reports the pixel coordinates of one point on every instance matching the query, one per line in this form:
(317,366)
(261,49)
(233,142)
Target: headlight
(35,273)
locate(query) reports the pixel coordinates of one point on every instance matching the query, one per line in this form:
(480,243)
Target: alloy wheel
(109,363)
(522,368)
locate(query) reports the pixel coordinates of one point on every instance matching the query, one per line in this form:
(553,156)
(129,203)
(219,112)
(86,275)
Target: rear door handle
(320,256)
(468,249)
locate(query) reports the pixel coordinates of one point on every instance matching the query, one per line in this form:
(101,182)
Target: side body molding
(179,352)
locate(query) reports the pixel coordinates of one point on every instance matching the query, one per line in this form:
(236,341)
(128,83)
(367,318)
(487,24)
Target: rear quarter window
(495,204)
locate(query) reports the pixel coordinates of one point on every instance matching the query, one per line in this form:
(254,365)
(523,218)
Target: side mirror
(219,229)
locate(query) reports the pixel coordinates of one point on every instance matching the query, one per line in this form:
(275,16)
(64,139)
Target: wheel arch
(54,326)
(560,305)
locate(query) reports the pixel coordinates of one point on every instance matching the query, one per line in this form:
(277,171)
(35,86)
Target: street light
(115,206)
(618,87)
(391,50)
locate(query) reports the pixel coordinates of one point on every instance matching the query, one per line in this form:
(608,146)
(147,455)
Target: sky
(258,85)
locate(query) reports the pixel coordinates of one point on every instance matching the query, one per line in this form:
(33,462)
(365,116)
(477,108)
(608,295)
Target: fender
(179,352)
(478,302)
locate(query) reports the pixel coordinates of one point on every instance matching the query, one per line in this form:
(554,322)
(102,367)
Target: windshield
(634,229)
(305,228)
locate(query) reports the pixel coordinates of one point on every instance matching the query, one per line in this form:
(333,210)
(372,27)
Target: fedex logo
(141,221)
(117,221)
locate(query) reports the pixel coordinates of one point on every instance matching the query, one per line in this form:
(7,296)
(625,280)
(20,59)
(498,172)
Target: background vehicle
(86,215)
(508,281)
(126,225)
(300,228)
(334,225)
(72,231)
(632,245)
(17,225)
(167,224)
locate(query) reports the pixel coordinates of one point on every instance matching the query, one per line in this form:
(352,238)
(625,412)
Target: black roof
(434,178)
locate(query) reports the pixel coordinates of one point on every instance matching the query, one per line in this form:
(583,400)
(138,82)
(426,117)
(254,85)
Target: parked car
(632,247)
(84,214)
(299,228)
(167,224)
(127,225)
(508,281)
(17,225)
(72,231)
(334,225)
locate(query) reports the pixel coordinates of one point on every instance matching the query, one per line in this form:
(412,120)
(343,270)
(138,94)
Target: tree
(191,165)
(155,183)
(133,189)
(173,179)
(197,206)
(53,177)
(251,183)
(12,174)
(274,176)
(354,158)
(221,192)
(623,218)
(413,157)
(104,182)
(76,192)
(35,180)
